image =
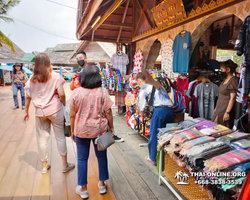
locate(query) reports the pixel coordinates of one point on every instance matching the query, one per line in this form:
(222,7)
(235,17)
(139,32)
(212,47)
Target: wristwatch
(228,113)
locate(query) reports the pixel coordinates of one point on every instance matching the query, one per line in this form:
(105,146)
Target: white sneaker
(83,194)
(102,189)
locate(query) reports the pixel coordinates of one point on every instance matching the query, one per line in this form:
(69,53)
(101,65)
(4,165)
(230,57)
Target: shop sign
(168,12)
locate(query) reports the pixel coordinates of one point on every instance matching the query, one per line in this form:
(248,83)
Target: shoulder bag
(106,140)
(149,109)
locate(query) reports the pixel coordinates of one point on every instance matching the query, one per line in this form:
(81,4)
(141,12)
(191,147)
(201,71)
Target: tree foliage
(5,6)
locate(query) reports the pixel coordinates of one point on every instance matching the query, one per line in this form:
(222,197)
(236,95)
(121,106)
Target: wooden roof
(124,21)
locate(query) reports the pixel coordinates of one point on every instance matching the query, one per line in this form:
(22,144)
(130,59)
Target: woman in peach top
(85,108)
(45,90)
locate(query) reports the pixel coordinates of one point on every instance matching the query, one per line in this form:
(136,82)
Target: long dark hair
(90,77)
(229,64)
(42,70)
(14,69)
(144,75)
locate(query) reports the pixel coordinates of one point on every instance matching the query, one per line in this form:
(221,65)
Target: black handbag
(242,123)
(149,109)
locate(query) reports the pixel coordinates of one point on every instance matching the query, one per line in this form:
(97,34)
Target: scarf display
(233,137)
(216,131)
(241,144)
(184,136)
(204,124)
(189,144)
(227,160)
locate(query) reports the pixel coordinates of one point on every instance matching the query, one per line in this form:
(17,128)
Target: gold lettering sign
(168,12)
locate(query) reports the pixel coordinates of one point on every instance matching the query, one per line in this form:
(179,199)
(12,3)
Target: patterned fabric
(233,136)
(20,77)
(119,98)
(167,57)
(161,98)
(120,62)
(204,124)
(186,135)
(189,144)
(87,104)
(241,144)
(138,60)
(228,159)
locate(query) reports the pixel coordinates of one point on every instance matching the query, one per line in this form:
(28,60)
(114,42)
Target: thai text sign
(168,12)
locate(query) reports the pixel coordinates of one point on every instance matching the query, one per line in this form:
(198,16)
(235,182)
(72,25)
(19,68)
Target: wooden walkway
(131,177)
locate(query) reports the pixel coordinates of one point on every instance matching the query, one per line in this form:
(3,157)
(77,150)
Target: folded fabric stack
(189,144)
(203,147)
(216,131)
(186,135)
(204,124)
(241,144)
(198,160)
(233,137)
(227,160)
(189,123)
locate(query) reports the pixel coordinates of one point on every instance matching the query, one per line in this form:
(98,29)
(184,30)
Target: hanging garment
(225,35)
(181,49)
(120,62)
(138,60)
(245,190)
(194,57)
(182,84)
(167,56)
(206,94)
(244,84)
(243,41)
(215,37)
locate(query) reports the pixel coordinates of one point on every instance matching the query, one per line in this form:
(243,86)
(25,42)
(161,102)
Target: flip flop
(70,167)
(149,160)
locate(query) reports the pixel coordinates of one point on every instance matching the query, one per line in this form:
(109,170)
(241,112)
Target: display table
(192,191)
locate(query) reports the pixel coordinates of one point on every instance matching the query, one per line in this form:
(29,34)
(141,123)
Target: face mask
(223,74)
(81,62)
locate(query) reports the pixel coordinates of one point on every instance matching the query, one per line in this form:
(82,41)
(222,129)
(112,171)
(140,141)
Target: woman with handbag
(156,102)
(45,90)
(90,116)
(19,80)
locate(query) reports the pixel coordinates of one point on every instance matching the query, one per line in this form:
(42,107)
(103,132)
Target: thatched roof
(62,53)
(97,51)
(7,56)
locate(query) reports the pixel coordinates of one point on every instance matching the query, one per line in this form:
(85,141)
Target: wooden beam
(133,28)
(112,30)
(84,22)
(142,12)
(104,39)
(123,20)
(93,35)
(109,11)
(117,24)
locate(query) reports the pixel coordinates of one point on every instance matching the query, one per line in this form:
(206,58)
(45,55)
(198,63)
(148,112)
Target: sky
(45,15)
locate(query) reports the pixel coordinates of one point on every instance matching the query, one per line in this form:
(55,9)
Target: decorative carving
(194,13)
(168,12)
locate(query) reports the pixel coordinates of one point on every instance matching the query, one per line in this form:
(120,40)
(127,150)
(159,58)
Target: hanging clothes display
(167,57)
(112,79)
(215,37)
(182,84)
(138,60)
(119,62)
(243,47)
(181,49)
(206,94)
(225,35)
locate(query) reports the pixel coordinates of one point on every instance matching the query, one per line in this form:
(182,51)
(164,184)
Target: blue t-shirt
(181,49)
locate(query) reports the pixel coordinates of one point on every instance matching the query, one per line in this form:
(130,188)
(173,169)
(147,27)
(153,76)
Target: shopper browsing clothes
(163,109)
(85,108)
(19,80)
(45,90)
(224,113)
